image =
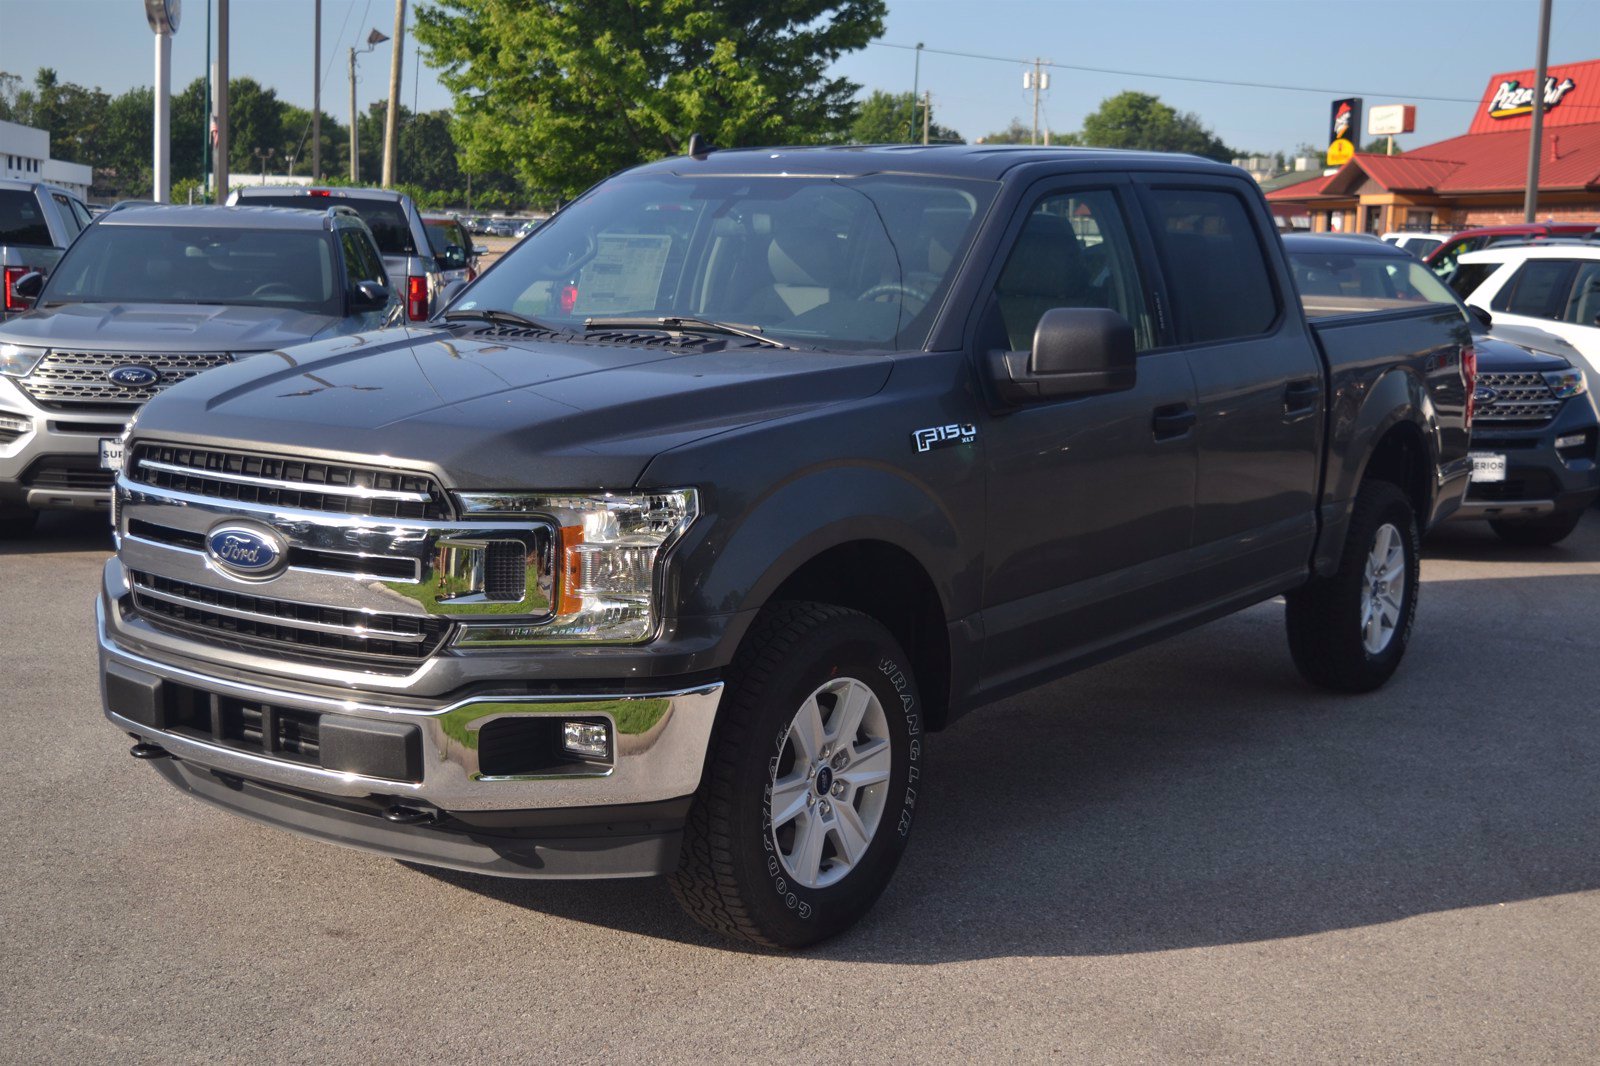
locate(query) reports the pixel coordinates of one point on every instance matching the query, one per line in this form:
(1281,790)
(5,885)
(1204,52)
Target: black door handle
(1172,420)
(1301,396)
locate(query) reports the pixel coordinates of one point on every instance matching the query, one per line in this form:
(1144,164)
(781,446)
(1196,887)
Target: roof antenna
(699,147)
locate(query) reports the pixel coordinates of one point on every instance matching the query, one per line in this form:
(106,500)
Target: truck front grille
(1523,399)
(305,630)
(300,484)
(71,380)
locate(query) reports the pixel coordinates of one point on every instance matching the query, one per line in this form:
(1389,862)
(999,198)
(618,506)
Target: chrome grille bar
(359,632)
(357,491)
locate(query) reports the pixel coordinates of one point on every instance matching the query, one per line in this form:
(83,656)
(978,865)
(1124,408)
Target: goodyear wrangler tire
(1348,631)
(812,781)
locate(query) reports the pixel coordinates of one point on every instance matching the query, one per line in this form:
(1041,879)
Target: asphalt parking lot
(1182,854)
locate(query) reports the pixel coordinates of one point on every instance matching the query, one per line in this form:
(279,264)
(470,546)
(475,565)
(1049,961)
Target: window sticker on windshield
(624,275)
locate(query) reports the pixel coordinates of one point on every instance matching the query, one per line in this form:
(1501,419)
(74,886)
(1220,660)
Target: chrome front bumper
(660,741)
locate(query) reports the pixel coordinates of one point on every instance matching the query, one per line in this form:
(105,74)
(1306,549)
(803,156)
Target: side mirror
(369,296)
(480,249)
(454,257)
(1485,319)
(448,292)
(27,288)
(1077,351)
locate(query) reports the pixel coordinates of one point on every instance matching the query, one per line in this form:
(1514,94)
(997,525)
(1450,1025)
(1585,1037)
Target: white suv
(1546,286)
(1418,244)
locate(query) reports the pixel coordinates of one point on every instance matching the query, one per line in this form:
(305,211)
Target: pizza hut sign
(1513,98)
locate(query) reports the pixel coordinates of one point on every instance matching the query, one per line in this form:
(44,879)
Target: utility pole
(1530,202)
(221,97)
(1039,83)
(927,114)
(916,82)
(316,95)
(205,119)
(391,125)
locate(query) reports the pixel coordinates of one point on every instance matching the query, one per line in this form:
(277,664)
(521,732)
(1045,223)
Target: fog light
(591,740)
(15,425)
(1571,440)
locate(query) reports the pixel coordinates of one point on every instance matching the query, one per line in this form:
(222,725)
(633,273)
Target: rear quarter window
(22,219)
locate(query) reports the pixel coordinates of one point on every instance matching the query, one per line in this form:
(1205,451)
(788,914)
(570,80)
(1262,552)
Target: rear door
(1560,296)
(1258,380)
(1090,499)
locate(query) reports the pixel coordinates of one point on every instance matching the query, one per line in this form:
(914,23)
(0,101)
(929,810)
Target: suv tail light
(416,298)
(1469,379)
(11,276)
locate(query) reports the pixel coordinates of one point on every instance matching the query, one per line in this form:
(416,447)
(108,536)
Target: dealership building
(1476,179)
(25,156)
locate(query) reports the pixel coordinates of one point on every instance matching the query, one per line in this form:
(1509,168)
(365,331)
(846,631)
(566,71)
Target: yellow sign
(1339,152)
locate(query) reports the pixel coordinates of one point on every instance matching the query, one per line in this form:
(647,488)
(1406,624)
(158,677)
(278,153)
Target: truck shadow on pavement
(1199,793)
(64,531)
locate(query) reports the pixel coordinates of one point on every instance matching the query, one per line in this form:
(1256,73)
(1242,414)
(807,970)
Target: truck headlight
(607,557)
(18,361)
(1566,383)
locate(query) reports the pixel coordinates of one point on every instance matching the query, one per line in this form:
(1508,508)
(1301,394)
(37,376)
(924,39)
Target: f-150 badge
(944,436)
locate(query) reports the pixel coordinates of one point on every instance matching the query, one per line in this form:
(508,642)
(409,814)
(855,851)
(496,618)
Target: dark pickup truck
(665,547)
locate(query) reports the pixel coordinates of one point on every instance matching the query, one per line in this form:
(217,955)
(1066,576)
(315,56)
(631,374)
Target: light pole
(264,154)
(916,84)
(1530,198)
(316,95)
(374,39)
(219,100)
(163,16)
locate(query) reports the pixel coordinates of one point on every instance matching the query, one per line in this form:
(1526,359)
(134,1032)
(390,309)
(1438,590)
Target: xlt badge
(944,436)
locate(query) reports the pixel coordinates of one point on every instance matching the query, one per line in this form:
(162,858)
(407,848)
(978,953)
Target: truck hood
(122,327)
(488,412)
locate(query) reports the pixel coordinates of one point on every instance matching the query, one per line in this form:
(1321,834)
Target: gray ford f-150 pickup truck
(663,549)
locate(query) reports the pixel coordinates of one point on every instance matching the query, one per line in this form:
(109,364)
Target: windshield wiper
(676,324)
(500,318)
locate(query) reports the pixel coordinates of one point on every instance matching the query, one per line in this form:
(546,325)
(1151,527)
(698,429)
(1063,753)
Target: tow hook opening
(403,815)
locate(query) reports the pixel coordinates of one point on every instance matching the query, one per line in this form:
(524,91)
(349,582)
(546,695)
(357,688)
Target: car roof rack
(120,204)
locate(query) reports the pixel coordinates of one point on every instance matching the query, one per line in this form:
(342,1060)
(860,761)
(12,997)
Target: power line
(1179,77)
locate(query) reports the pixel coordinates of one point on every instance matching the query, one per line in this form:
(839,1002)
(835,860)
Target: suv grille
(1524,399)
(67,472)
(311,631)
(78,379)
(300,484)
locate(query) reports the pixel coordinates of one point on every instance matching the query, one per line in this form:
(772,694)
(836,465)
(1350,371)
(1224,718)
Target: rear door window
(22,219)
(1216,268)
(70,220)
(1583,306)
(1539,289)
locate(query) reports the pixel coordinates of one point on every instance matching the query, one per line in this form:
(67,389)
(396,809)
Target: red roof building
(1478,178)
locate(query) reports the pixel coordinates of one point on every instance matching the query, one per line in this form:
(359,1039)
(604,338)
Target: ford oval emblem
(1484,396)
(133,376)
(246,552)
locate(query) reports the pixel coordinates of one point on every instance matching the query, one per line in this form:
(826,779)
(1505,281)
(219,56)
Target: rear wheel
(1537,532)
(1348,631)
(812,781)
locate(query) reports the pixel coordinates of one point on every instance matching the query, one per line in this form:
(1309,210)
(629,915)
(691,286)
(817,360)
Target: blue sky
(1388,51)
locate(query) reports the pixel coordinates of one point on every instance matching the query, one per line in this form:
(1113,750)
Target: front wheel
(1537,532)
(812,780)
(1348,631)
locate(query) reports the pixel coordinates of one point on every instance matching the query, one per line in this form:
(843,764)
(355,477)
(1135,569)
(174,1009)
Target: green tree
(1380,146)
(890,118)
(565,93)
(1016,133)
(1140,120)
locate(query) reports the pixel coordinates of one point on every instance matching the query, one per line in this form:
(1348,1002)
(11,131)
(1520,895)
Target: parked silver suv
(417,272)
(149,296)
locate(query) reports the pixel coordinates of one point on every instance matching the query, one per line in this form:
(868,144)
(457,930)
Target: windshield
(1338,283)
(385,218)
(839,263)
(290,269)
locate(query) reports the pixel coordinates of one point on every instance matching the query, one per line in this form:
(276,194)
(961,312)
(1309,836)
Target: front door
(1090,499)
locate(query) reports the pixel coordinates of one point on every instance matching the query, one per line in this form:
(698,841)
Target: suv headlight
(18,361)
(607,560)
(1566,383)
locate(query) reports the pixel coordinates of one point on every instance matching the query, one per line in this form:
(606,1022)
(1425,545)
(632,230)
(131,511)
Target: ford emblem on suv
(133,376)
(1484,396)
(246,552)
